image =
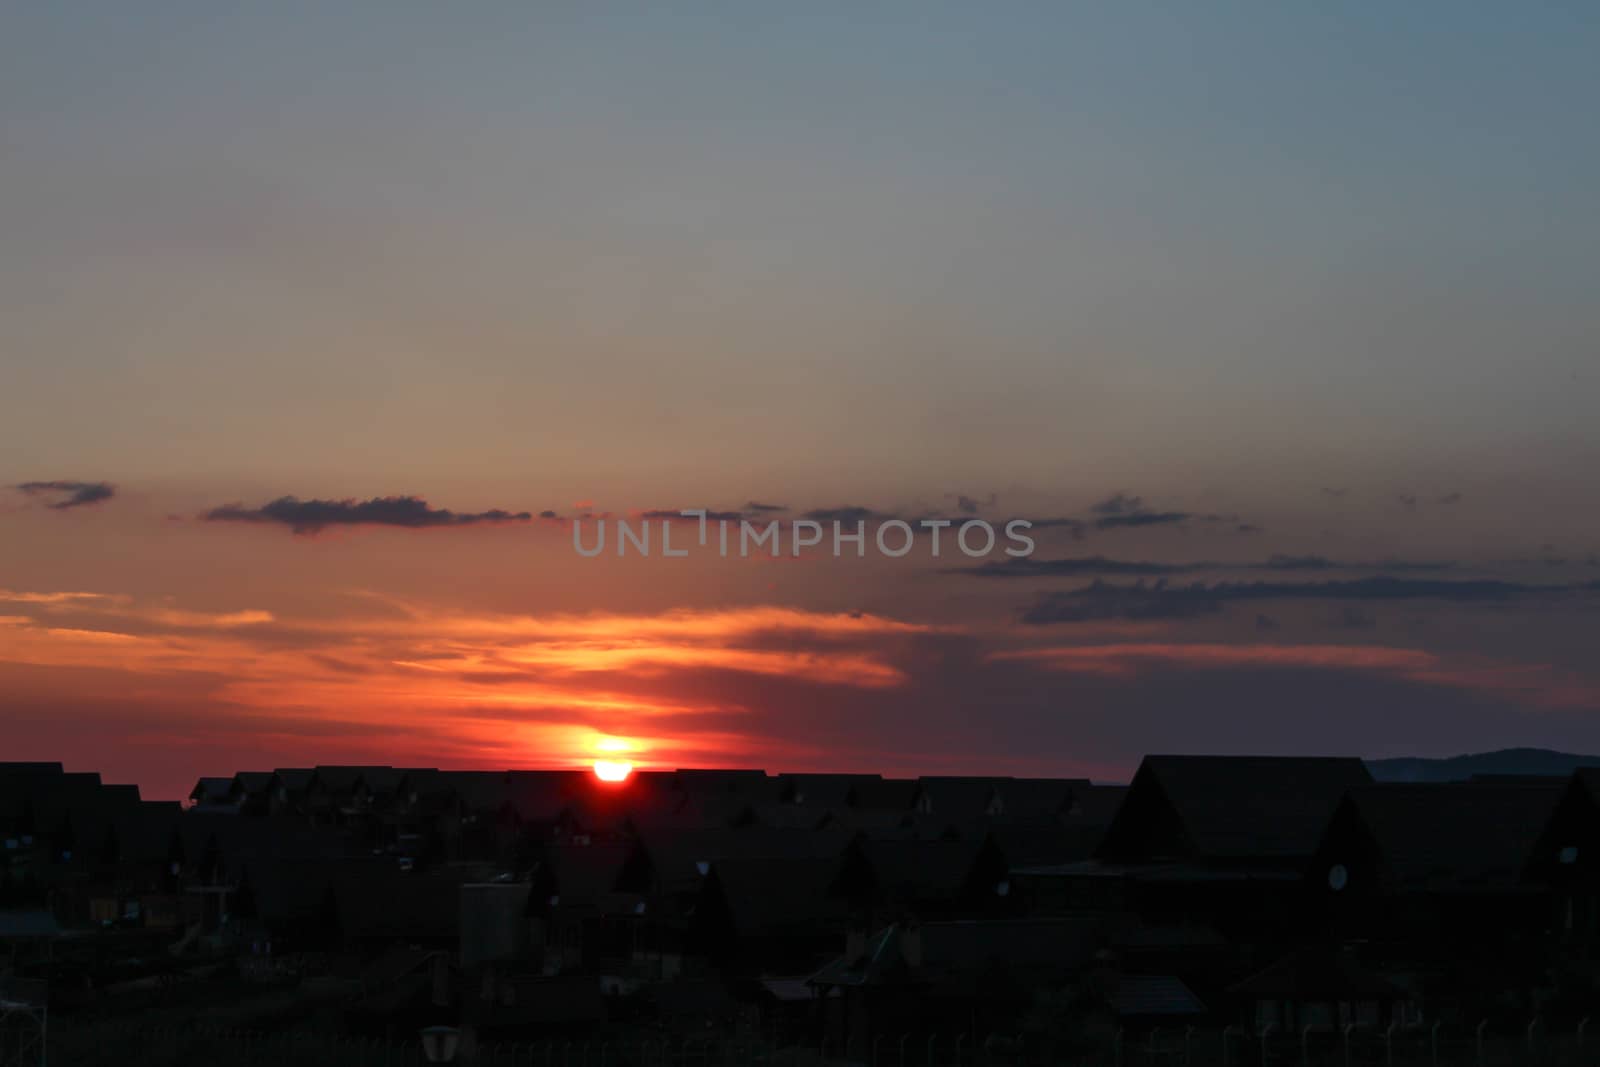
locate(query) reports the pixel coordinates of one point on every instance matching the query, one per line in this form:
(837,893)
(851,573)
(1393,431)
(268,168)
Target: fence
(1484,1045)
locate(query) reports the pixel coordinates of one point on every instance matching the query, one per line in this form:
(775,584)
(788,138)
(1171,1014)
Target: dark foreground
(1217,910)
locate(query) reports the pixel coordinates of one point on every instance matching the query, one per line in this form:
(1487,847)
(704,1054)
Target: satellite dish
(1338,877)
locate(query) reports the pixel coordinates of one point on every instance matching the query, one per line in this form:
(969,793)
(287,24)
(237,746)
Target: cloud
(1333,494)
(1122,510)
(1118,504)
(847,513)
(69,494)
(1076,527)
(1142,518)
(1353,618)
(313,516)
(1032,567)
(710,516)
(1120,660)
(1281,562)
(758,506)
(1106,600)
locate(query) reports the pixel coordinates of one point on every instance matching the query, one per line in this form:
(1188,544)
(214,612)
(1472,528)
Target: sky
(320,326)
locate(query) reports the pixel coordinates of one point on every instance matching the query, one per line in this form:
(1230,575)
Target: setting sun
(612,770)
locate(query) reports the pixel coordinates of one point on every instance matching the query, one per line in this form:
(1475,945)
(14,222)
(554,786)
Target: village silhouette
(1216,909)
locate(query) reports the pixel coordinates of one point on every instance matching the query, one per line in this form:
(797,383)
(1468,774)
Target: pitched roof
(294,779)
(963,950)
(680,858)
(341,778)
(958,797)
(211,790)
(1096,804)
(582,874)
(892,794)
(541,795)
(1040,796)
(920,870)
(772,896)
(253,782)
(478,791)
(820,790)
(1148,995)
(1318,974)
(1042,841)
(1455,835)
(1230,807)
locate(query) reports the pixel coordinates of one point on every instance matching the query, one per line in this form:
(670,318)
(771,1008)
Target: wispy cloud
(1160,600)
(314,516)
(67,494)
(1070,567)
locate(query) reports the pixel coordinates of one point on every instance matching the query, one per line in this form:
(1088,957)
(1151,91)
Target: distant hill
(1521,761)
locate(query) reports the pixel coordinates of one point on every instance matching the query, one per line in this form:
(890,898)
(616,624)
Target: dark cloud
(1450,498)
(847,513)
(1141,518)
(1353,618)
(313,516)
(711,516)
(1160,600)
(1032,567)
(1280,562)
(1071,568)
(1122,510)
(1408,501)
(1333,494)
(69,494)
(971,505)
(1104,602)
(1118,504)
(1076,527)
(758,506)
(1267,624)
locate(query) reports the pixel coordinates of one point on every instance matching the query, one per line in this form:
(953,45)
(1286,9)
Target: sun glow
(609,770)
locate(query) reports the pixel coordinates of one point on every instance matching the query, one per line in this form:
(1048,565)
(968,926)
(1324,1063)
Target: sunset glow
(325,377)
(612,770)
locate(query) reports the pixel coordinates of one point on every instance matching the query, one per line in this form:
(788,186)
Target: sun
(610,770)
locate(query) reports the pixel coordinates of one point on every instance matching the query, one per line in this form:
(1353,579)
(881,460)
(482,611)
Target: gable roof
(211,790)
(1152,995)
(1455,835)
(1096,804)
(771,896)
(252,782)
(820,790)
(341,778)
(962,950)
(1040,796)
(1270,808)
(1318,974)
(890,794)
